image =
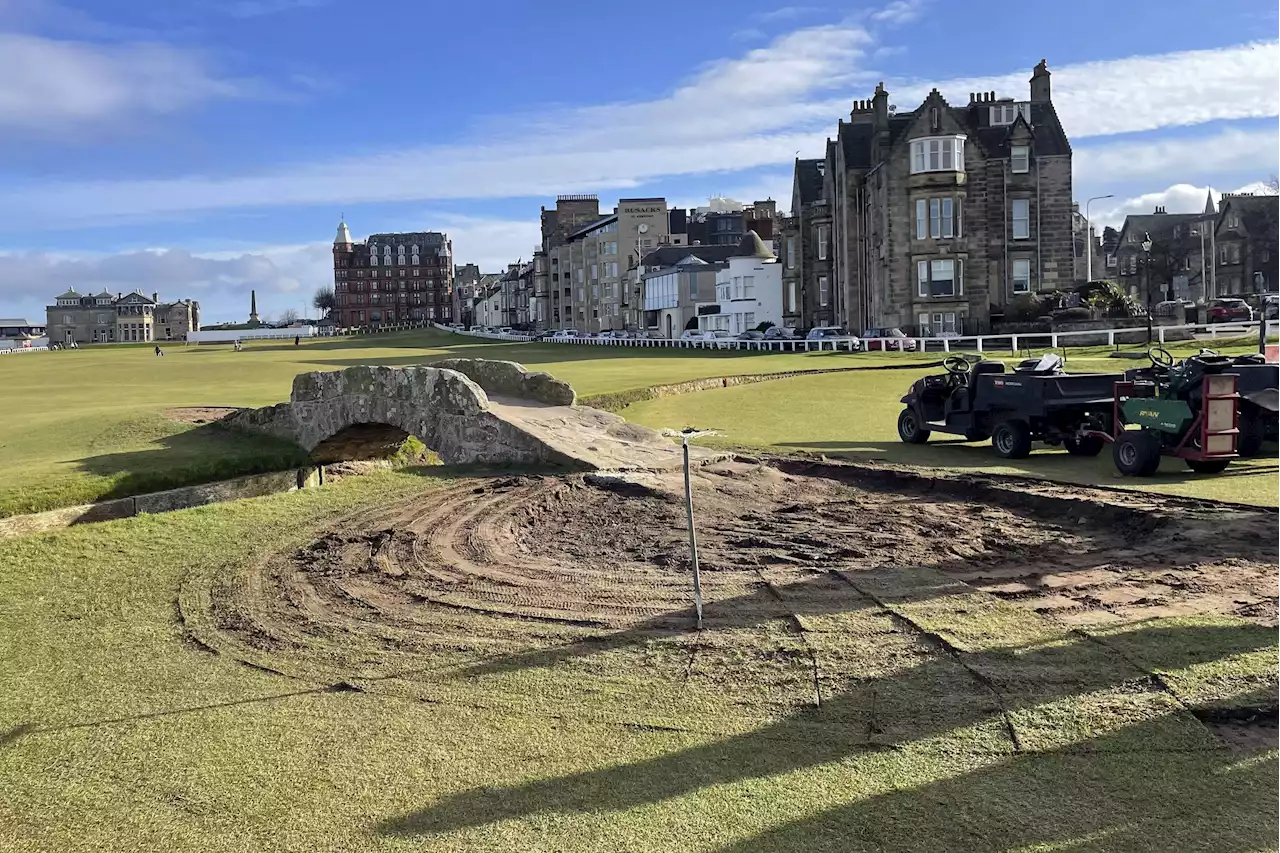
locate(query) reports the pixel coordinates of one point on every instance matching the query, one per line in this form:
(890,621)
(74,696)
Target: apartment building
(392,278)
(590,285)
(943,215)
(1175,266)
(805,243)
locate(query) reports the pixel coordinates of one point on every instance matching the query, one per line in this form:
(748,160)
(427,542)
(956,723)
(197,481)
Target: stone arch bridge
(469,411)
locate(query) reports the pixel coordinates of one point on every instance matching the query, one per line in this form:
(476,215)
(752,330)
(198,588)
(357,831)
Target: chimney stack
(155,297)
(1040,84)
(880,108)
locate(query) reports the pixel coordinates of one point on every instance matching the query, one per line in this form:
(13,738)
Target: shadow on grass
(994,691)
(202,454)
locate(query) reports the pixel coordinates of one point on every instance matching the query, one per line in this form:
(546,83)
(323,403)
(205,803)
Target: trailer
(1037,401)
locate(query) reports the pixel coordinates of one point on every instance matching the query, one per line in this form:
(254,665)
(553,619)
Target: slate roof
(11,322)
(1158,225)
(604,220)
(669,256)
(1259,213)
(809,178)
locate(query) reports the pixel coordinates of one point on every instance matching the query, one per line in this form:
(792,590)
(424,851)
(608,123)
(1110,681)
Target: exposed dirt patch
(199,414)
(487,576)
(1248,729)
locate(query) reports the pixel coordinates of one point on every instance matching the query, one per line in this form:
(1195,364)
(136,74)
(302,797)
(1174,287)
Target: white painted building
(748,290)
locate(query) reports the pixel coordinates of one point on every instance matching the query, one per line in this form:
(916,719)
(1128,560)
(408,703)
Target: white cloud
(785,13)
(736,114)
(1179,198)
(284,276)
(52,85)
(1229,150)
(1142,93)
(898,12)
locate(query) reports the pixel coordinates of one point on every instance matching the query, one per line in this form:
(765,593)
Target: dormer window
(1002,114)
(937,154)
(1020,158)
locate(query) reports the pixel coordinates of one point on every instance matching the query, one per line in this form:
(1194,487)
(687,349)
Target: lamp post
(1146,268)
(1088,227)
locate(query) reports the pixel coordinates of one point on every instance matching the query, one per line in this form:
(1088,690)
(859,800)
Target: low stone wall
(617,401)
(509,379)
(255,486)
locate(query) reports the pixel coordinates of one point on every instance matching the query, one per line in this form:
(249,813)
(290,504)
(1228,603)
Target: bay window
(937,154)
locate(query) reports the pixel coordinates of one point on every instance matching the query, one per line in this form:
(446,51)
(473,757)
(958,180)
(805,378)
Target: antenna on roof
(893,108)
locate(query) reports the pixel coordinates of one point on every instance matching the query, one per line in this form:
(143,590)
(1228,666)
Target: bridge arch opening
(365,441)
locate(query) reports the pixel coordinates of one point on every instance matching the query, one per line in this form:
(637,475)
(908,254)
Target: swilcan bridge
(469,411)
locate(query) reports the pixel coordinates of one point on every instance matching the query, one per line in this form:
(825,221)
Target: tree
(1271,186)
(324,300)
(288,317)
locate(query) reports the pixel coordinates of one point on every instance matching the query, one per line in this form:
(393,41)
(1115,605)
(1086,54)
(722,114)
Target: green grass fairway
(854,417)
(116,734)
(85,424)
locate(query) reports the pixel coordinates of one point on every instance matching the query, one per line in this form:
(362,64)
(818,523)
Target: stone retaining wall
(254,486)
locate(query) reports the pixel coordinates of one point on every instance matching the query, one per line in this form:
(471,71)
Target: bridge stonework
(467,411)
(366,406)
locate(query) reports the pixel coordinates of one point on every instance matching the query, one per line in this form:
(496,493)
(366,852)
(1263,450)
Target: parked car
(891,339)
(692,335)
(564,334)
(1270,306)
(774,333)
(751,336)
(1228,311)
(834,333)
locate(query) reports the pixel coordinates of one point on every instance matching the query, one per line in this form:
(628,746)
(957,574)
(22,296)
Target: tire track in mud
(477,584)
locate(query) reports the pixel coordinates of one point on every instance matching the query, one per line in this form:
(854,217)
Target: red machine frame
(1186,449)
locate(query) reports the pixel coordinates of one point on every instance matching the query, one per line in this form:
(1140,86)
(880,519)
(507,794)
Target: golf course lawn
(116,733)
(89,424)
(82,425)
(120,732)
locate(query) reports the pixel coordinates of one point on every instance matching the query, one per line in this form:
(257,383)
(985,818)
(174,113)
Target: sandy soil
(199,414)
(511,566)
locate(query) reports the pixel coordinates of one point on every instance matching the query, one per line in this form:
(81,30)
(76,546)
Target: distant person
(159,351)
(297,339)
(238,347)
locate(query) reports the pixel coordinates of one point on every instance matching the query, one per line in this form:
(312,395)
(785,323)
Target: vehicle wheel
(1249,442)
(1136,453)
(1088,446)
(1208,466)
(909,428)
(1011,439)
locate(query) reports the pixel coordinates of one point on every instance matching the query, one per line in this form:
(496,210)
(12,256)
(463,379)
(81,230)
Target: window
(595,291)
(373,274)
(824,291)
(1233,221)
(823,232)
(1022,275)
(581,275)
(748,287)
(66,319)
(938,278)
(1111,262)
(749,320)
(922,218)
(595,272)
(1007,113)
(402,272)
(1021,218)
(415,272)
(937,154)
(791,252)
(1020,156)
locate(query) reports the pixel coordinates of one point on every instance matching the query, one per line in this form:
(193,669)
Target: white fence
(227,336)
(979,343)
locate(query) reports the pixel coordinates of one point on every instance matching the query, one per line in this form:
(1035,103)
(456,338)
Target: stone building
(943,215)
(1175,267)
(124,318)
(1245,244)
(392,278)
(805,244)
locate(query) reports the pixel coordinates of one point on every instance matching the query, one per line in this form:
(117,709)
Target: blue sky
(205,147)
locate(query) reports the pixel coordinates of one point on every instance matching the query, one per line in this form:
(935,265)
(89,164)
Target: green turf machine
(1188,410)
